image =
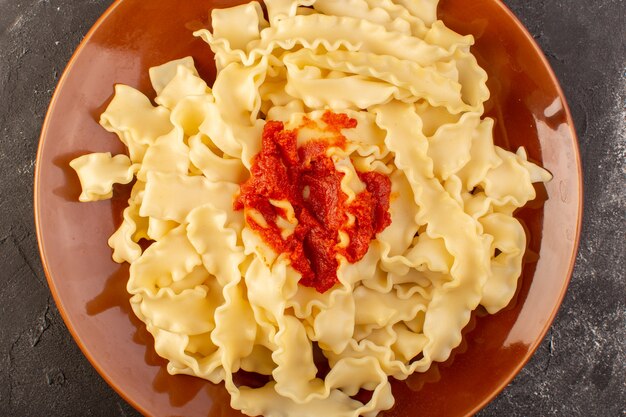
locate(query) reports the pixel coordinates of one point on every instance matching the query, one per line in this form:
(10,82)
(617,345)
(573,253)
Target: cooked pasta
(218,297)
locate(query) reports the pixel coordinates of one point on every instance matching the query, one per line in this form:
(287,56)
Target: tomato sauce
(306,177)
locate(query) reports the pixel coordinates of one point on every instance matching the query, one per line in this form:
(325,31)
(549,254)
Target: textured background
(579,370)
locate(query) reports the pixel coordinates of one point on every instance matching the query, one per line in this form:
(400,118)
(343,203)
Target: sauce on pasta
(306,177)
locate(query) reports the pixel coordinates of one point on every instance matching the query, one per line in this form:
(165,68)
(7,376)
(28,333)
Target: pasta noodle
(218,297)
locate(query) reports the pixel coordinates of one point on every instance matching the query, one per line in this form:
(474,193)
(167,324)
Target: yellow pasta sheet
(217,299)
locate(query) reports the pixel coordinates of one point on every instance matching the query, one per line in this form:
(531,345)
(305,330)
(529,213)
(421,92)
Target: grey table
(580,368)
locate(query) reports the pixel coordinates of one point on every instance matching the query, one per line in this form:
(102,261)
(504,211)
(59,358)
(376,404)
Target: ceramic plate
(89,288)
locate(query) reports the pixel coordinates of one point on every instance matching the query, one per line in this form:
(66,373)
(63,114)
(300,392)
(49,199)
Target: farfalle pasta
(382,106)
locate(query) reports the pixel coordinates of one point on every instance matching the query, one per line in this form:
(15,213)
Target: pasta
(397,99)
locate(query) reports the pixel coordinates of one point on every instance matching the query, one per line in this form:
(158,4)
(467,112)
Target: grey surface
(579,370)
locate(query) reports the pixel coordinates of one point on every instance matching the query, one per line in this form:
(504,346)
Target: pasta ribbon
(98,172)
(218,298)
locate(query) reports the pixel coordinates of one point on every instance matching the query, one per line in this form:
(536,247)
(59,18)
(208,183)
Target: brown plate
(89,288)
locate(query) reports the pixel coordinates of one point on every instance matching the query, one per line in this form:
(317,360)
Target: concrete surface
(579,370)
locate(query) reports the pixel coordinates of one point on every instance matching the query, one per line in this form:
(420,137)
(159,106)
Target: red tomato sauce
(307,178)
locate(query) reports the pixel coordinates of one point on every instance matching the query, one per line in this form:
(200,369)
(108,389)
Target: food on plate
(333,201)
